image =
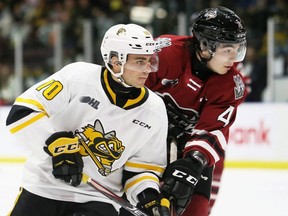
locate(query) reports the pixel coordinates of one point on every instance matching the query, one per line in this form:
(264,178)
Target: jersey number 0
(51,89)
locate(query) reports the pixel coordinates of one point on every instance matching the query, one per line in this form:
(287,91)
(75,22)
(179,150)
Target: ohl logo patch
(103,148)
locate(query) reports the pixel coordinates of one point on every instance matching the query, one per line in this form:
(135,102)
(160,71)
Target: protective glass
(142,63)
(236,52)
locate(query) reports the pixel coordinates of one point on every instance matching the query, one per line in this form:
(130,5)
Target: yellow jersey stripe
(15,202)
(112,94)
(145,166)
(27,123)
(136,100)
(33,102)
(129,185)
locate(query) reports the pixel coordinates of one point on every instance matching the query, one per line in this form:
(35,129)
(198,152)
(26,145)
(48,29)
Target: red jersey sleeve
(223,95)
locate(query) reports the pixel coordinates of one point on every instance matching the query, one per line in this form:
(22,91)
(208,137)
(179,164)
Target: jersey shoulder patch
(239,88)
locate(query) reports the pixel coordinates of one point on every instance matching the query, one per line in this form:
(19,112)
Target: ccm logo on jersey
(183,175)
(143,124)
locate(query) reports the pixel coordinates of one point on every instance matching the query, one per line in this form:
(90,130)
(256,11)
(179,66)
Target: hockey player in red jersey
(202,89)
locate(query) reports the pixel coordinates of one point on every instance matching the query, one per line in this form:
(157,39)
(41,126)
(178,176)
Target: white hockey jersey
(132,137)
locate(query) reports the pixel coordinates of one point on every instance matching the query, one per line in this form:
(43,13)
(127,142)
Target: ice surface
(244,192)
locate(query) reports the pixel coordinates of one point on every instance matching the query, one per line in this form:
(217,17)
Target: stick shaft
(114,197)
(173,157)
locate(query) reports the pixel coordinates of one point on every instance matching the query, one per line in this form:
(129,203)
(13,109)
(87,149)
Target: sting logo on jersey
(103,148)
(239,87)
(91,101)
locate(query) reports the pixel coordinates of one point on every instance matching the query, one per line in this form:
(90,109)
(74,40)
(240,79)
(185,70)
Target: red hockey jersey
(204,109)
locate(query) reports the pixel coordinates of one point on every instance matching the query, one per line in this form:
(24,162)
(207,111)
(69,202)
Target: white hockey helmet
(121,40)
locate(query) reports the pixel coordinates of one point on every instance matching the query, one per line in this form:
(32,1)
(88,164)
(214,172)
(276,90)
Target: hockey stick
(172,157)
(173,150)
(106,192)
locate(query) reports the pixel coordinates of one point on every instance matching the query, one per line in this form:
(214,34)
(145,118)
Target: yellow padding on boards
(257,164)
(18,160)
(228,163)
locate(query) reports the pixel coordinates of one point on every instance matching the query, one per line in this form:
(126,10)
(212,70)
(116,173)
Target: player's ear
(204,54)
(116,64)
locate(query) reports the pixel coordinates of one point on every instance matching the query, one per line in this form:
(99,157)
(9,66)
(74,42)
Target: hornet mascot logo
(103,148)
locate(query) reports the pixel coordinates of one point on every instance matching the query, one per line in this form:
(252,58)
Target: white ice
(244,192)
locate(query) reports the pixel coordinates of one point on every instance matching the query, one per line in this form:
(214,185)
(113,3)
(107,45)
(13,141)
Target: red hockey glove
(180,179)
(67,162)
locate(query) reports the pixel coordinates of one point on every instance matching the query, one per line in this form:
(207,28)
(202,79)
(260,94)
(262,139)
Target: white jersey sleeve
(46,99)
(150,162)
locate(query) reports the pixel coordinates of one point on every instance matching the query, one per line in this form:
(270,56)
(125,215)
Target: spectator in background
(7,83)
(256,68)
(7,79)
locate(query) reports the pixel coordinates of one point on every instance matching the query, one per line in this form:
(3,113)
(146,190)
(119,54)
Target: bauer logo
(90,101)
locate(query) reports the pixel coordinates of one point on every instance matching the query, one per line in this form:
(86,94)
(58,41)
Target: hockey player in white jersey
(98,120)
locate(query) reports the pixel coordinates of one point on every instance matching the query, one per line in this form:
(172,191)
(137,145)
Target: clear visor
(234,52)
(142,63)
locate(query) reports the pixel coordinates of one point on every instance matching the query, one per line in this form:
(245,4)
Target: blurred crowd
(33,21)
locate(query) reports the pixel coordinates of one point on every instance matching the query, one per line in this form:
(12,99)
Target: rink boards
(258,138)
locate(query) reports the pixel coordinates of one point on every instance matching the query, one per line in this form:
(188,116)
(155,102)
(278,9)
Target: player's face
(138,67)
(224,58)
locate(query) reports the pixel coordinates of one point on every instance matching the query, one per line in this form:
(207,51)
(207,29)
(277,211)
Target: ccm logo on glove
(64,145)
(182,175)
(67,162)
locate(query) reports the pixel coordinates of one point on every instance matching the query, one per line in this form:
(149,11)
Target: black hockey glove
(67,162)
(153,203)
(180,179)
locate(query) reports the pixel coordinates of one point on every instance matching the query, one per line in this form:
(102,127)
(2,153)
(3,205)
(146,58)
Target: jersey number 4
(226,116)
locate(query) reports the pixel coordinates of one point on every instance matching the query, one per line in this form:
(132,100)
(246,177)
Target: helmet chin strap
(120,77)
(122,81)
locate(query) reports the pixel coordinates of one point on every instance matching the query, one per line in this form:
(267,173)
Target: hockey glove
(180,179)
(67,162)
(153,203)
